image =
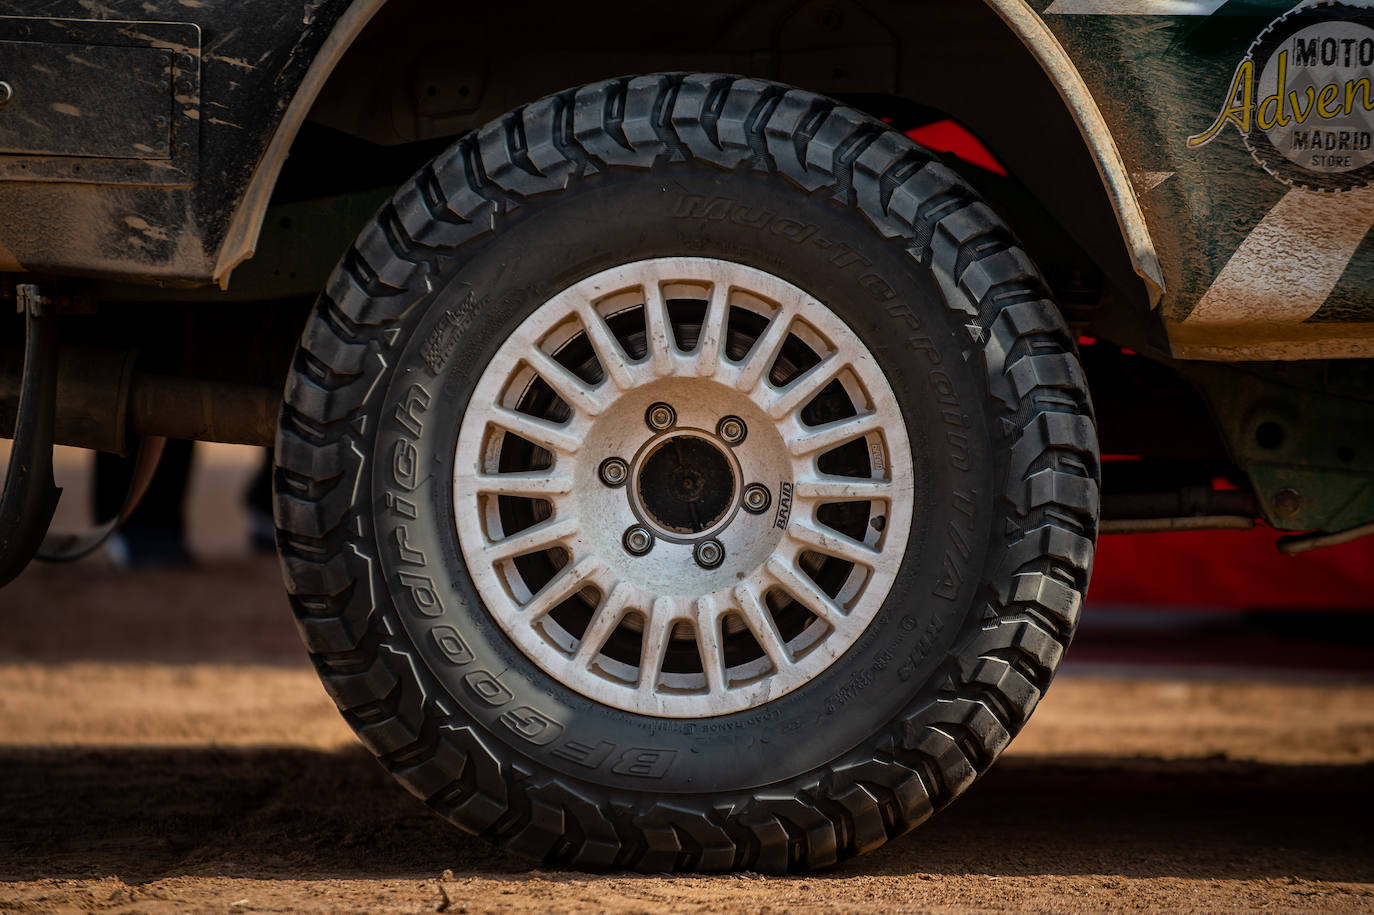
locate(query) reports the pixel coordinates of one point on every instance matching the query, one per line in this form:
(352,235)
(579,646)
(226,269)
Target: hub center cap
(685,485)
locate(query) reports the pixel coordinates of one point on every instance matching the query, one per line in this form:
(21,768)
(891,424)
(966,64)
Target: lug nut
(614,472)
(709,554)
(638,541)
(732,430)
(757,498)
(660,416)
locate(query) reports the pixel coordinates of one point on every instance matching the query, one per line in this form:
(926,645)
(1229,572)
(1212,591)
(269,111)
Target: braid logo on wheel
(1303,98)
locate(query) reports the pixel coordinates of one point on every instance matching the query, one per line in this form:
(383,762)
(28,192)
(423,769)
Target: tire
(961,628)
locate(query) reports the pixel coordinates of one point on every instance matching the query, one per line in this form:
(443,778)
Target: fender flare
(241,238)
(1097,136)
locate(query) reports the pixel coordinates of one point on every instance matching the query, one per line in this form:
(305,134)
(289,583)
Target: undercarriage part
(68,546)
(1167,525)
(102,400)
(1302,543)
(203,411)
(30,496)
(92,396)
(1188,509)
(1303,432)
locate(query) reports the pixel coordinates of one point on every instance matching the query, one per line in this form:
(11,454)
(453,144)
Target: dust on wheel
(686,472)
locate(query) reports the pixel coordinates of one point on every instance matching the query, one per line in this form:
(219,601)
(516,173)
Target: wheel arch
(993,65)
(1097,137)
(241,238)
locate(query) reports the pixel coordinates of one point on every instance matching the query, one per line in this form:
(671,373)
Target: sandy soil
(164,747)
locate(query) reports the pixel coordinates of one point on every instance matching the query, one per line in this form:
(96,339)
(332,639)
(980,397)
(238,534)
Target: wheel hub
(686,485)
(682,487)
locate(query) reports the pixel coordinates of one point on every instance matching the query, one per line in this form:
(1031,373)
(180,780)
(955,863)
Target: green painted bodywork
(1303,431)
(1159,80)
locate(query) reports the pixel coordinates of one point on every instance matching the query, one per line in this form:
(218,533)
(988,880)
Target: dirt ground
(164,747)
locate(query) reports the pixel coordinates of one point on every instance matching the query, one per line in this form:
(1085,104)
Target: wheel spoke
(536,484)
(658,326)
(606,347)
(569,580)
(833,543)
(657,627)
(711,343)
(832,435)
(828,488)
(547,435)
(574,391)
(805,591)
(803,390)
(708,643)
(604,621)
(761,624)
(764,352)
(541,536)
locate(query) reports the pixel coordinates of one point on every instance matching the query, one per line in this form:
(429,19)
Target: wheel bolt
(660,416)
(732,430)
(638,540)
(709,554)
(757,498)
(614,472)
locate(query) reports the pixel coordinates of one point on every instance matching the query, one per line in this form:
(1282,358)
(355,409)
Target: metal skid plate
(99,102)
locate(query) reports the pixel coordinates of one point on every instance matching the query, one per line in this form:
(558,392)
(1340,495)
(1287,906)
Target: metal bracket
(31,300)
(68,546)
(30,496)
(133,90)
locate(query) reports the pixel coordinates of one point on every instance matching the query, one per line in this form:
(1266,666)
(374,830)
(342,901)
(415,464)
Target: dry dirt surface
(165,747)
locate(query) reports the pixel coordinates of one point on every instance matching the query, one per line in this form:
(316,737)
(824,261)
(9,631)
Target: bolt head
(6,93)
(757,498)
(709,554)
(638,541)
(660,416)
(732,430)
(1287,503)
(614,472)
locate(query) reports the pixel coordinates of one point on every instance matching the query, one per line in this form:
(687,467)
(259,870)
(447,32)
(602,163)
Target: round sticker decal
(1303,98)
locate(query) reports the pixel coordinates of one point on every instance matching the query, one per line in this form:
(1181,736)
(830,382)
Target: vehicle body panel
(1240,264)
(1257,265)
(242,74)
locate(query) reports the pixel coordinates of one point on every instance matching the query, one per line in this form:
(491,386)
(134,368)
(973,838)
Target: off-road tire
(1020,566)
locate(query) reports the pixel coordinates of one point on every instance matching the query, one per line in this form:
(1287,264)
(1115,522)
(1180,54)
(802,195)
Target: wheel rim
(627,551)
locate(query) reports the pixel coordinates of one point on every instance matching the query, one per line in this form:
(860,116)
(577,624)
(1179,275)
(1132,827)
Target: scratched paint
(1248,267)
(1286,268)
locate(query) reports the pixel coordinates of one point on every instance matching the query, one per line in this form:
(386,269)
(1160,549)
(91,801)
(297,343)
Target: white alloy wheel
(642,487)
